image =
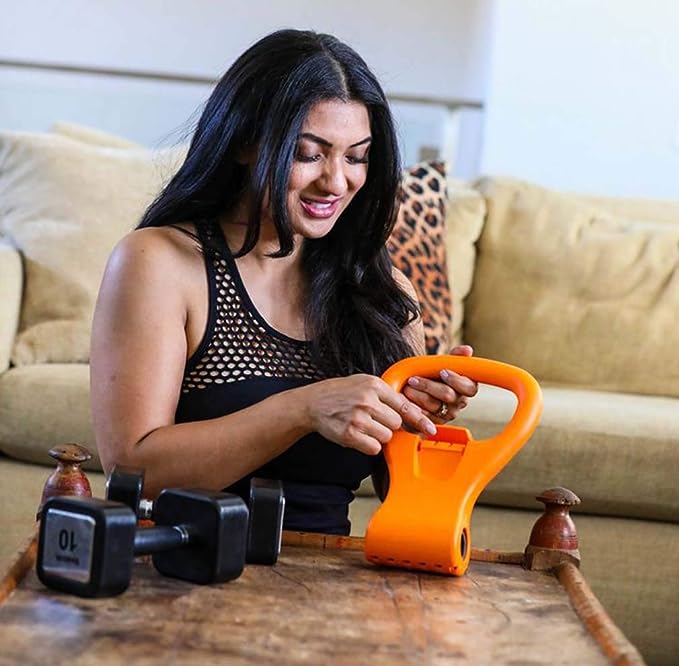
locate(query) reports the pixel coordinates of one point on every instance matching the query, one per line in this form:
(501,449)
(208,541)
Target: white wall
(432,48)
(584,95)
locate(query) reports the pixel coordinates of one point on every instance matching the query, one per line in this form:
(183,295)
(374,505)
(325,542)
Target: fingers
(409,412)
(462,350)
(432,405)
(363,412)
(414,417)
(366,444)
(459,383)
(372,434)
(387,416)
(371,429)
(448,390)
(429,395)
(375,430)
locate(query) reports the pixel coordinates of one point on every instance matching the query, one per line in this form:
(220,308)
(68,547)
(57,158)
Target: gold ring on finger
(442,411)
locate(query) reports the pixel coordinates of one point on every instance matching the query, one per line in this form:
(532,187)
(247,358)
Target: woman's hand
(442,400)
(362,412)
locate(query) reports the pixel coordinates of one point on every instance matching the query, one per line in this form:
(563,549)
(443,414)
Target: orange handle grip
(484,371)
(434,483)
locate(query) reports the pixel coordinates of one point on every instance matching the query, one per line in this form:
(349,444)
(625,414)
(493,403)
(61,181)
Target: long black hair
(355,310)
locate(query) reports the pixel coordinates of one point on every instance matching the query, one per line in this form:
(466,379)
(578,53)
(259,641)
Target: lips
(320,208)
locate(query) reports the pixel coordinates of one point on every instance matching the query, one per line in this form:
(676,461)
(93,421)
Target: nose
(333,179)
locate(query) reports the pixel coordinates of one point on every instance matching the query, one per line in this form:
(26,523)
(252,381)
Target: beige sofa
(582,292)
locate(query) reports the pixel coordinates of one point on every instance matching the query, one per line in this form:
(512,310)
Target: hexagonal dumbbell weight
(87,546)
(266,505)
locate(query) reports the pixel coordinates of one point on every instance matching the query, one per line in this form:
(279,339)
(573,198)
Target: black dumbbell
(126,485)
(265,501)
(87,546)
(265,529)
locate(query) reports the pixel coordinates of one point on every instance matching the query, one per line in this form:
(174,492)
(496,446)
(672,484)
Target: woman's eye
(353,159)
(301,157)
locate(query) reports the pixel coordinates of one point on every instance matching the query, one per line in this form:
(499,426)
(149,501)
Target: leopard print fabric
(417,248)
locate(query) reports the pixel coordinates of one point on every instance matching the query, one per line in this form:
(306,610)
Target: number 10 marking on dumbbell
(70,554)
(67,540)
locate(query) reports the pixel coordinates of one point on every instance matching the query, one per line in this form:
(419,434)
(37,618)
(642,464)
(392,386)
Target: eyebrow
(324,142)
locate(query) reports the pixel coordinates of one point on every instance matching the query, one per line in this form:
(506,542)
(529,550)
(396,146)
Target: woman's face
(330,166)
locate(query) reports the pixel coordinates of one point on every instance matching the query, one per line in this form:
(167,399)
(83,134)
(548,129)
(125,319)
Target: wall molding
(173,77)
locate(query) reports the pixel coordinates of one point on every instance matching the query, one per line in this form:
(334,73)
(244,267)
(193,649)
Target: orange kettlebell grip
(483,371)
(434,483)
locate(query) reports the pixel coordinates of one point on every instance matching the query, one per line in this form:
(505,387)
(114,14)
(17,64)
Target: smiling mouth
(319,208)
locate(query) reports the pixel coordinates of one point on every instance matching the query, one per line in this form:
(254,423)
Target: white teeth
(319,205)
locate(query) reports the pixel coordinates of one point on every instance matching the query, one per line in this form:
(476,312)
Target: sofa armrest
(11,285)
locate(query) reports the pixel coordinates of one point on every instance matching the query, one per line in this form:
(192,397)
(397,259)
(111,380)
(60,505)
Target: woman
(242,328)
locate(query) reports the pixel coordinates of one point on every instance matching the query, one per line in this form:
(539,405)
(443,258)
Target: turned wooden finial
(554,539)
(68,478)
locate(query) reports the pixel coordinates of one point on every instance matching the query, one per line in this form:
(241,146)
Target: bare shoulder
(154,249)
(159,268)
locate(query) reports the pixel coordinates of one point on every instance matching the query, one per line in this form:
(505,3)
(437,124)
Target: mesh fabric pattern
(242,345)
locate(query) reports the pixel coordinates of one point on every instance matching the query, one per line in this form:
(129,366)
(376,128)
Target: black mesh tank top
(240,361)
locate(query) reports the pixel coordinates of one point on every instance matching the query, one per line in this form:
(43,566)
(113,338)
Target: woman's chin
(314,229)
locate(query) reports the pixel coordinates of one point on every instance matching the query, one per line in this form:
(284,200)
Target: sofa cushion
(44,405)
(64,204)
(575,294)
(417,247)
(465,215)
(92,136)
(11,281)
(617,452)
(658,210)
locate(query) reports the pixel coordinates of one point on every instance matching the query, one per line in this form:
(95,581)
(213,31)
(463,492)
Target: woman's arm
(138,354)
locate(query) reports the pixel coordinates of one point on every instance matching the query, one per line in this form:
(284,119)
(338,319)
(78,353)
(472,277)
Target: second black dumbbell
(266,505)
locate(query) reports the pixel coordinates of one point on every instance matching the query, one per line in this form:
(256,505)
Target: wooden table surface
(319,604)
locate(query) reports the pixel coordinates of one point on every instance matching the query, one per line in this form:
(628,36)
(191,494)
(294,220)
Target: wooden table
(322,603)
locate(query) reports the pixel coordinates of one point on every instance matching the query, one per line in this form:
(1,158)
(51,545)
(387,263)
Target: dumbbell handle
(160,538)
(145,510)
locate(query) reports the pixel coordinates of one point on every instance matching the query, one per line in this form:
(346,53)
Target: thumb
(462,350)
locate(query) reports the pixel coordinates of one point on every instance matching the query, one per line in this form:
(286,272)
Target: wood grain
(315,606)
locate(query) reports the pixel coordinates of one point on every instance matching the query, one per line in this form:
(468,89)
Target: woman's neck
(276,285)
(234,228)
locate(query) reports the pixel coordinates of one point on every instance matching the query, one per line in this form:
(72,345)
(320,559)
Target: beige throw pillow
(64,204)
(576,294)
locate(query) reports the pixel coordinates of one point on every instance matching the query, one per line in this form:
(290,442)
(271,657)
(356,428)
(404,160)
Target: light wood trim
(323,541)
(315,540)
(598,622)
(20,565)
